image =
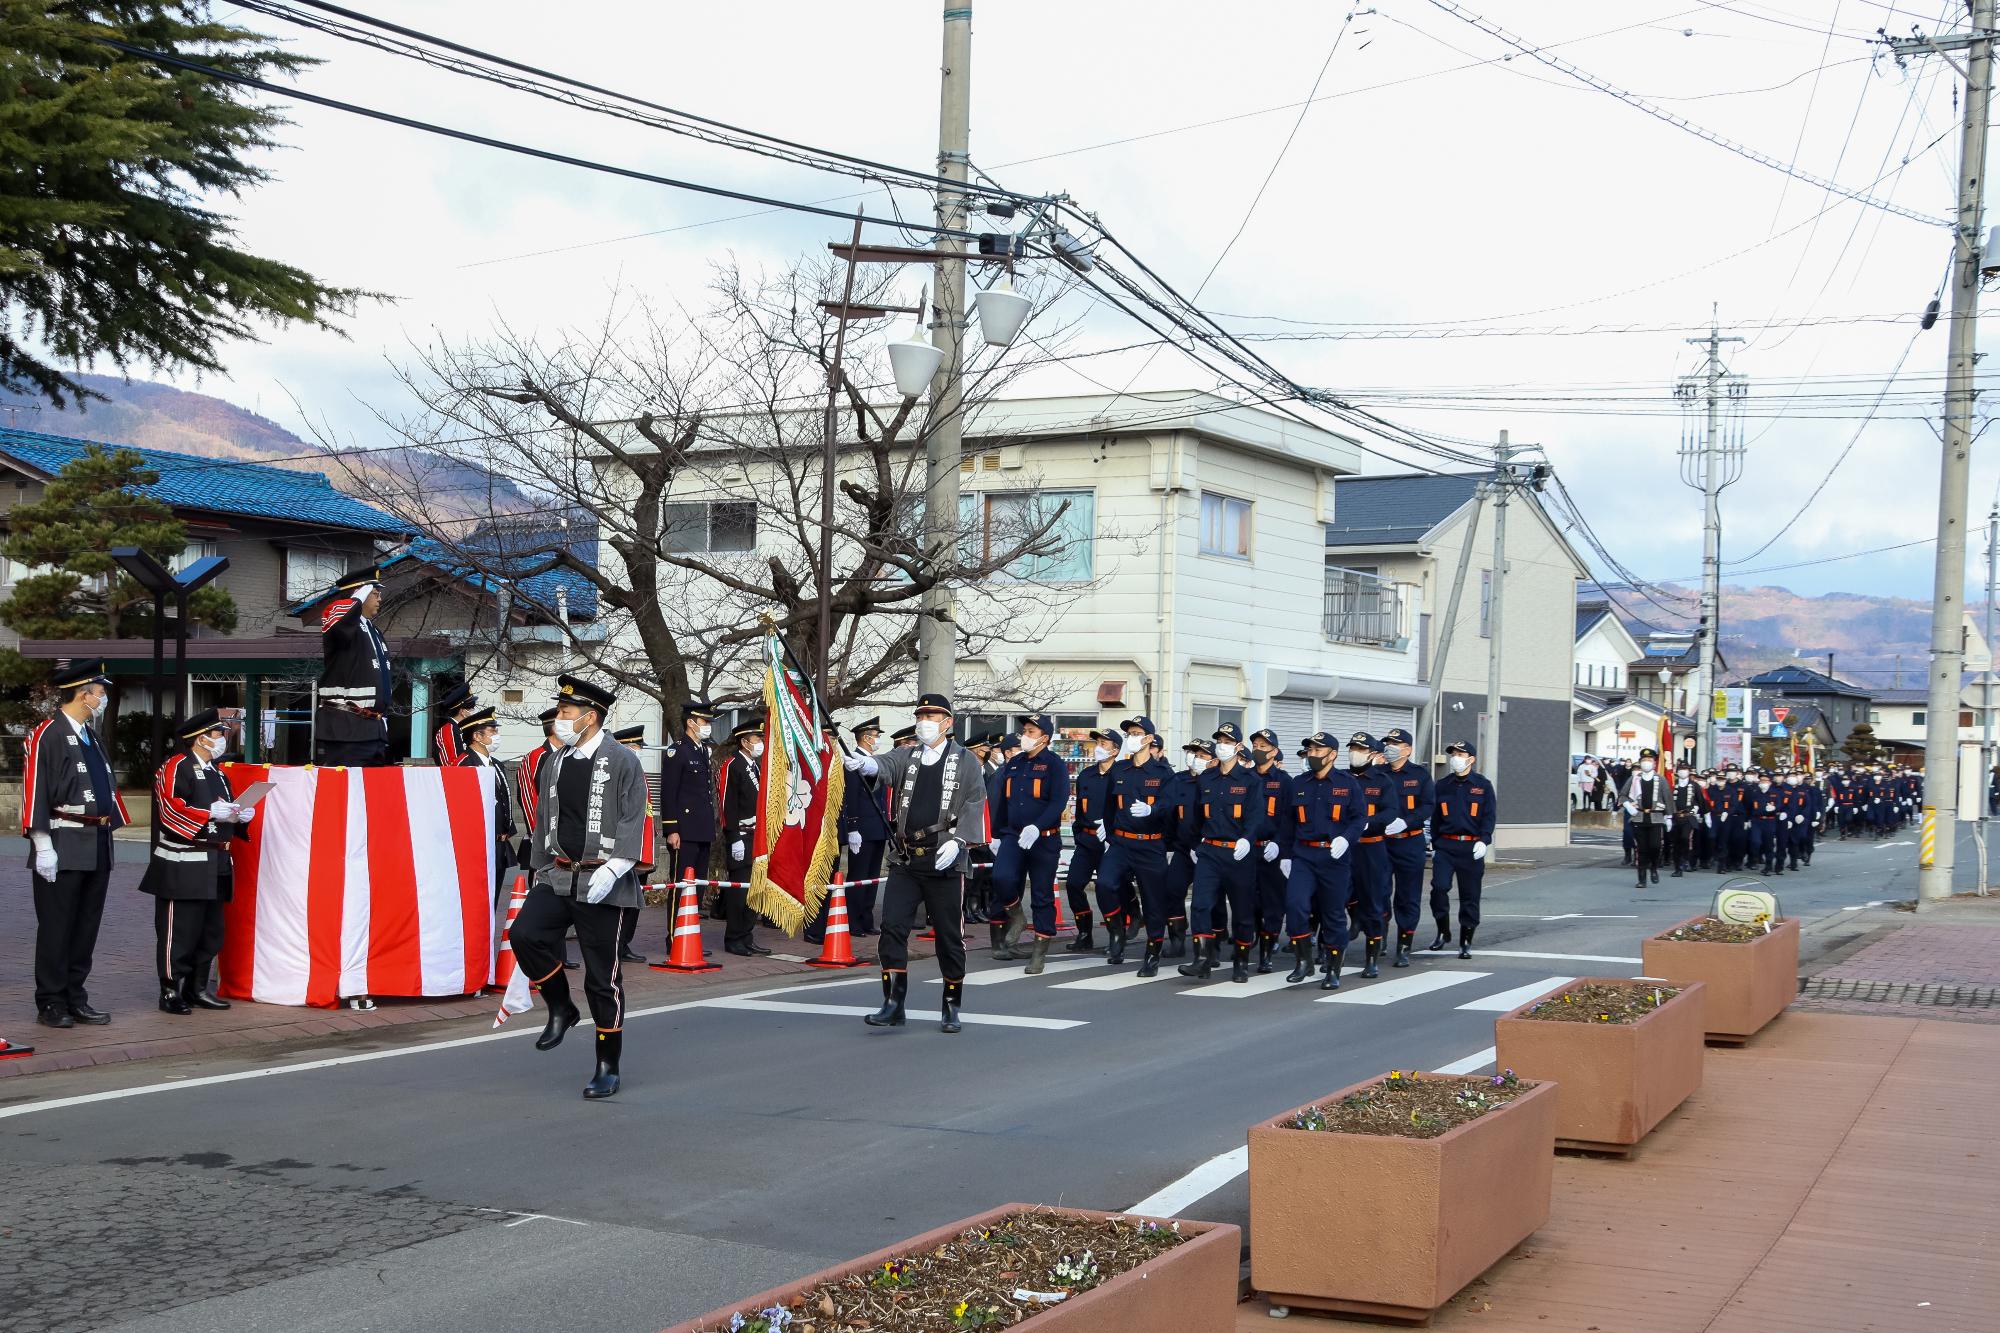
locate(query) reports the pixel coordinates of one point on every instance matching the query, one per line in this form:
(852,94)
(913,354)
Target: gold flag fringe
(769,900)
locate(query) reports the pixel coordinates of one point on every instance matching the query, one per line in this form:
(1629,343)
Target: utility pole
(1948,587)
(1427,725)
(1716,463)
(937,630)
(1489,750)
(1986,760)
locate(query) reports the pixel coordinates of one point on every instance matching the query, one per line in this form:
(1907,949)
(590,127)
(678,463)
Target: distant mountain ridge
(160,416)
(1878,643)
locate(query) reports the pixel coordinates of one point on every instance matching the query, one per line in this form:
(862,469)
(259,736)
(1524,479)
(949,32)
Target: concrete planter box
(1441,1211)
(1189,1289)
(1745,985)
(1614,1081)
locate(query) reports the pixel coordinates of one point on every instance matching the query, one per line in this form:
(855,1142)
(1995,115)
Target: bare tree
(673,464)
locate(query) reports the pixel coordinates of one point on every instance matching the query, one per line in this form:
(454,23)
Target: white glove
(1724,816)
(1285,867)
(1139,809)
(1798,819)
(1394,827)
(245,813)
(1339,848)
(222,811)
(736,850)
(947,853)
(864,764)
(1710,820)
(854,841)
(1270,851)
(1479,851)
(602,880)
(45,863)
(1028,836)
(1631,809)
(1241,850)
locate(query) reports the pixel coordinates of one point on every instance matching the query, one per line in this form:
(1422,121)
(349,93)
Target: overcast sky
(1431,185)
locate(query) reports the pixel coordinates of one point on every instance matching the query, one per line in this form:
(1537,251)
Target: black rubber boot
(1370,957)
(1465,941)
(1017,921)
(1176,940)
(1677,870)
(895,989)
(1203,961)
(1265,944)
(1082,942)
(1330,971)
(1405,941)
(1151,966)
(1655,874)
(996,936)
(609,1046)
(1239,963)
(1302,960)
(562,1011)
(1038,955)
(1114,934)
(954,992)
(1443,941)
(173,998)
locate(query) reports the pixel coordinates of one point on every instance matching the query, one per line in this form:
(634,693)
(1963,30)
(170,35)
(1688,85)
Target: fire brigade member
(1027,831)
(1136,850)
(1369,901)
(1229,819)
(1805,817)
(1272,870)
(1326,818)
(352,721)
(195,817)
(458,704)
(739,794)
(687,798)
(1412,796)
(1178,882)
(478,731)
(1087,833)
(1766,826)
(864,825)
(1461,833)
(1648,802)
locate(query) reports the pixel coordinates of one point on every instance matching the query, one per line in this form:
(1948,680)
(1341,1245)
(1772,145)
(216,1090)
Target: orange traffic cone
(1061,923)
(684,945)
(503,957)
(837,949)
(10,1051)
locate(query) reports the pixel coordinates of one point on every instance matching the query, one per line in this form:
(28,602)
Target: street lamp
(163,583)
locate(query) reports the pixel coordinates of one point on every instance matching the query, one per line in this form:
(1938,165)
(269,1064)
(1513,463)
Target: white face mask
(1105,751)
(755,749)
(702,731)
(1392,752)
(1198,764)
(1030,743)
(1133,744)
(1224,752)
(928,730)
(213,746)
(565,731)
(1763,786)
(1645,765)
(1460,763)
(1359,758)
(97,705)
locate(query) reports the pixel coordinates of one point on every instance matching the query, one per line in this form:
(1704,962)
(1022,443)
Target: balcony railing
(1366,609)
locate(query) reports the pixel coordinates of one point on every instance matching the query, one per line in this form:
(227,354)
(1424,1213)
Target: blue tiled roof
(1587,616)
(1396,510)
(519,549)
(1803,680)
(218,486)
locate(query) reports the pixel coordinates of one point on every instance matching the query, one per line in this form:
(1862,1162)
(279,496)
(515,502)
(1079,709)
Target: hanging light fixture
(915,360)
(1002,312)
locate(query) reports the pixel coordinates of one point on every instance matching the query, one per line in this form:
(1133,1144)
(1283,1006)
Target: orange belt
(1460,837)
(1307,842)
(1220,842)
(1137,837)
(1376,838)
(1412,833)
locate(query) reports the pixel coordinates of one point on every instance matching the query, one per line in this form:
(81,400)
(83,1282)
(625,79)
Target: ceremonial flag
(1667,746)
(798,835)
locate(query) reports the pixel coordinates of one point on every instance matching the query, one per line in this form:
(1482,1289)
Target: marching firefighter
(1087,834)
(1027,828)
(1648,804)
(195,817)
(1136,852)
(1229,819)
(1412,796)
(1273,870)
(1369,903)
(1326,815)
(1461,834)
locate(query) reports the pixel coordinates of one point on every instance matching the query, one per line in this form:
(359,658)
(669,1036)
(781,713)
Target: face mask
(1104,752)
(97,705)
(1460,763)
(1197,765)
(755,749)
(1392,752)
(701,732)
(1265,756)
(1359,758)
(1224,752)
(565,731)
(929,730)
(215,745)
(1763,786)
(1645,765)
(1030,744)
(1133,744)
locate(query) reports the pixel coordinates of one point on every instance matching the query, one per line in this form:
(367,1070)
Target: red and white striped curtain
(361,881)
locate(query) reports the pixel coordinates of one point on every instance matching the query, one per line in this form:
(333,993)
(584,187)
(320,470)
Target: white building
(1604,648)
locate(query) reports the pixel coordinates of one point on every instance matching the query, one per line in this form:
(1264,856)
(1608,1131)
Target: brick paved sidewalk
(124,982)
(1836,1175)
(1941,964)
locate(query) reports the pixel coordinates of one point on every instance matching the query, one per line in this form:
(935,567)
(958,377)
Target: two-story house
(1843,705)
(1409,530)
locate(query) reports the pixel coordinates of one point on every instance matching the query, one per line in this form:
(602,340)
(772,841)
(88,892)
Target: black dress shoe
(173,1000)
(202,999)
(631,956)
(83,1013)
(738,950)
(53,1016)
(759,950)
(568,966)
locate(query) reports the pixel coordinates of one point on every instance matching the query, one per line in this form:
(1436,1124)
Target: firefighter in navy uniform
(1087,833)
(1229,820)
(739,794)
(1274,856)
(447,743)
(195,817)
(1027,834)
(1767,822)
(1178,881)
(478,731)
(687,797)
(69,807)
(527,791)
(864,826)
(1461,833)
(1688,825)
(1136,852)
(1326,819)
(351,725)
(585,851)
(1412,795)
(1370,903)
(1807,808)
(1732,821)
(633,738)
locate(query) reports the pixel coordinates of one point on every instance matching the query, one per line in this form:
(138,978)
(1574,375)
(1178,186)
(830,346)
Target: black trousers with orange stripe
(538,947)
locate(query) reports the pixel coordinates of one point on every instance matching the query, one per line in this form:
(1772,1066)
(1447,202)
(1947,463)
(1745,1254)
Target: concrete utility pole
(1427,725)
(937,630)
(1720,464)
(1489,749)
(1948,588)
(1986,759)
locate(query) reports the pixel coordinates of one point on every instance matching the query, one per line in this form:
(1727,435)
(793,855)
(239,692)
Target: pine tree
(1861,747)
(109,166)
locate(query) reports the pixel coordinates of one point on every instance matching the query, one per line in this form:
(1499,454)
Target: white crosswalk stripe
(1515,998)
(993,976)
(1114,981)
(1401,988)
(1242,990)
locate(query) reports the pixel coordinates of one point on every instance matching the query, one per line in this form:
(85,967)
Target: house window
(1485,603)
(192,552)
(1965,717)
(1917,717)
(310,573)
(1208,719)
(708,526)
(1225,526)
(1874,718)
(1001,521)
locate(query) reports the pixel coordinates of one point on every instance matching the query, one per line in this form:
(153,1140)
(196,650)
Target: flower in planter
(1071,1271)
(967,1315)
(896,1273)
(774,1320)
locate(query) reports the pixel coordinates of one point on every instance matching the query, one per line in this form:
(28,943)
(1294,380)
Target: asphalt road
(459,1182)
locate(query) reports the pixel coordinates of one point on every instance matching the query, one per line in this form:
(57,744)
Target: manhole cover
(1945,994)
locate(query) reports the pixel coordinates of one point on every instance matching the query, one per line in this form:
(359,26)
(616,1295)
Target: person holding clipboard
(194,819)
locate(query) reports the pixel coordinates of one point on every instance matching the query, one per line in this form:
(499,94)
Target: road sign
(1780,713)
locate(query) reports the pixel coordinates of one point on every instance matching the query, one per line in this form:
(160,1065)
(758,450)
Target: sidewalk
(1836,1175)
(124,982)
(1941,964)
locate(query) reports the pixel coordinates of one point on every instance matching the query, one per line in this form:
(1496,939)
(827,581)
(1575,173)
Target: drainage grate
(1944,994)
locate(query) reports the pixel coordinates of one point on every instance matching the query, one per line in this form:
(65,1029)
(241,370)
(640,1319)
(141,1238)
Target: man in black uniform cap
(478,732)
(687,795)
(352,721)
(195,816)
(447,744)
(740,791)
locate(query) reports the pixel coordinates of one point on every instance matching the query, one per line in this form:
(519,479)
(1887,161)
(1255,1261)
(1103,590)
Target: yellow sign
(1745,907)
(1720,709)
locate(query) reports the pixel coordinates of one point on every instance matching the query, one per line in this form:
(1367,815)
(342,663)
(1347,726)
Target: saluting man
(1326,818)
(940,811)
(687,794)
(739,793)
(587,844)
(1027,826)
(1413,796)
(195,816)
(352,723)
(864,825)
(1228,819)
(1461,833)
(478,733)
(69,807)
(458,704)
